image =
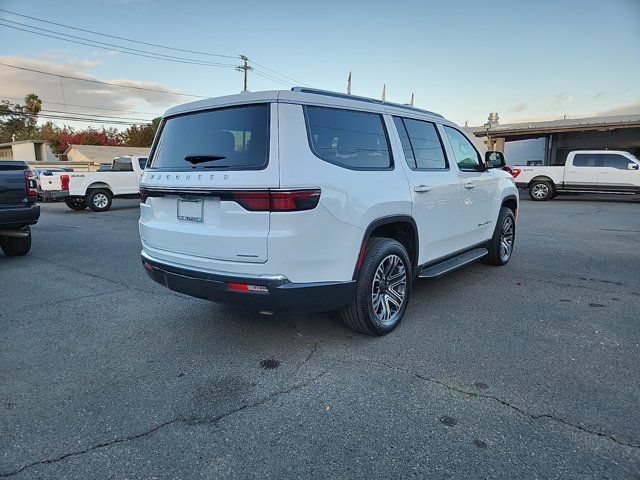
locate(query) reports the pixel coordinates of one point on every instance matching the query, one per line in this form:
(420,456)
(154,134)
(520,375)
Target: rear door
(434,186)
(124,180)
(614,174)
(206,182)
(581,172)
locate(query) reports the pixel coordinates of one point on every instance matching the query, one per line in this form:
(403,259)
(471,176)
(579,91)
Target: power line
(93,32)
(119,49)
(93,115)
(296,82)
(269,77)
(90,120)
(117,37)
(102,82)
(156,114)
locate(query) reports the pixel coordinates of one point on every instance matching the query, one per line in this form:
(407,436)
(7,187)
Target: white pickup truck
(585,171)
(95,190)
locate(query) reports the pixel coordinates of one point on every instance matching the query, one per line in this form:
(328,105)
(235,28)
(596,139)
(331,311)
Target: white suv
(309,200)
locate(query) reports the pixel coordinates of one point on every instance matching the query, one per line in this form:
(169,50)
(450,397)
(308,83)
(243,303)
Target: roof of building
(104,154)
(568,124)
(21,141)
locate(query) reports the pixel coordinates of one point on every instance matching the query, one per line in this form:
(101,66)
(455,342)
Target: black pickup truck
(18,207)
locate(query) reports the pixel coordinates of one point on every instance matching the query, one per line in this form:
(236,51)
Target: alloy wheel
(506,239)
(100,200)
(389,289)
(540,190)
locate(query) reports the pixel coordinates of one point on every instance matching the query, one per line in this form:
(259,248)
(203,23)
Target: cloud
(521,107)
(631,109)
(17,83)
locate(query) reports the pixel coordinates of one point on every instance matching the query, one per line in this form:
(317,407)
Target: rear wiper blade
(202,158)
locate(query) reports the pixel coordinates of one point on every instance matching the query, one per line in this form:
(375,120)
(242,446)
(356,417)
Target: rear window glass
(587,160)
(122,164)
(348,138)
(231,138)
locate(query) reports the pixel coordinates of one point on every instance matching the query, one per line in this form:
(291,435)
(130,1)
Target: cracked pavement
(525,371)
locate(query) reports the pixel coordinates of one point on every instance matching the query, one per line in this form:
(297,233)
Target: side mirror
(494,160)
(633,166)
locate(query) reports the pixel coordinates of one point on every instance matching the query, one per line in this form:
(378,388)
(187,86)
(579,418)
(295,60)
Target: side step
(456,262)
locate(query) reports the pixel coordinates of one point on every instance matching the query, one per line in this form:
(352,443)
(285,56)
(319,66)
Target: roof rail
(347,96)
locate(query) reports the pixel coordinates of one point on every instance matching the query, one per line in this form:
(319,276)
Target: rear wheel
(99,200)
(382,290)
(76,203)
(541,190)
(15,246)
(501,244)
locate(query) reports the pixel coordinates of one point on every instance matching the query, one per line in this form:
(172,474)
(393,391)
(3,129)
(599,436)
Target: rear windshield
(230,139)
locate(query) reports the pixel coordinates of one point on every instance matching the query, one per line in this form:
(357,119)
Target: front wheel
(382,289)
(15,246)
(501,244)
(99,200)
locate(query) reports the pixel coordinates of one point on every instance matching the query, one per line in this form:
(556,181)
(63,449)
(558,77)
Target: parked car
(310,201)
(96,190)
(18,207)
(46,171)
(585,171)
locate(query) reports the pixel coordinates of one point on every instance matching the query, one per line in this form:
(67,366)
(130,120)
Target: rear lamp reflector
(147,266)
(276,200)
(243,287)
(32,185)
(144,194)
(64,182)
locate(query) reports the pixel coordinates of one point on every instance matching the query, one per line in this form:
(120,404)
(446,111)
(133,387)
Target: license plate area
(191,209)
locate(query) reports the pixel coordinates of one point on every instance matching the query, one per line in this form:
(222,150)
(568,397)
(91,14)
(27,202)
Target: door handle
(470,185)
(421,188)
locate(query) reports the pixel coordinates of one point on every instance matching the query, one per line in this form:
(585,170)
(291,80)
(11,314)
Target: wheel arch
(103,185)
(402,228)
(542,178)
(511,202)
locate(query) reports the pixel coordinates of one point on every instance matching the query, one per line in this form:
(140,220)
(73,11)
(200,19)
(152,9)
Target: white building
(101,154)
(31,151)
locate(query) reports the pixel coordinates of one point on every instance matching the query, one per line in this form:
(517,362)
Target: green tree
(141,135)
(19,121)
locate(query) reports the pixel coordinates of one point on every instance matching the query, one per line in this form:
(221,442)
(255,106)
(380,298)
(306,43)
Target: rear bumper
(281,295)
(54,194)
(19,216)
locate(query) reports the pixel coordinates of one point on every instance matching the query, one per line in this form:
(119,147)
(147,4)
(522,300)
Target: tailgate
(51,181)
(13,186)
(205,189)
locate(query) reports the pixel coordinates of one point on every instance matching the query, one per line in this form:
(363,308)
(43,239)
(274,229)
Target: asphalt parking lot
(525,371)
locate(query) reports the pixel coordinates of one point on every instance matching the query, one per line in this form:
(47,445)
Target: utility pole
(384,92)
(244,68)
(349,84)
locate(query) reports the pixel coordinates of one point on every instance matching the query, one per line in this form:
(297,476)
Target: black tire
(361,315)
(16,246)
(99,200)
(541,190)
(505,229)
(76,203)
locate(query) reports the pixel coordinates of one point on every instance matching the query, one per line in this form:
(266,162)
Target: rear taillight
(276,200)
(32,185)
(64,182)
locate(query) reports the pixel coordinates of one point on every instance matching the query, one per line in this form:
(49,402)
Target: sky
(525,60)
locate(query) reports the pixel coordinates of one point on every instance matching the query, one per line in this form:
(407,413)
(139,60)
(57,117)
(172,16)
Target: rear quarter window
(234,138)
(348,138)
